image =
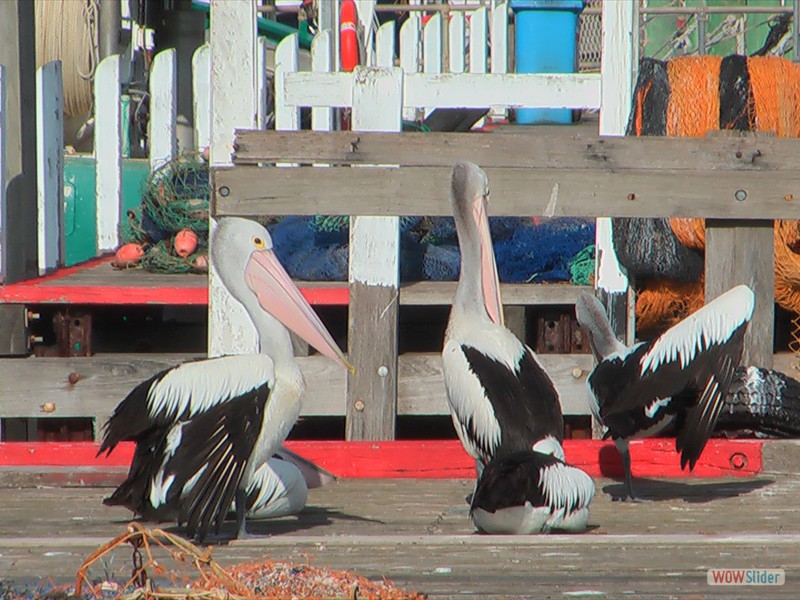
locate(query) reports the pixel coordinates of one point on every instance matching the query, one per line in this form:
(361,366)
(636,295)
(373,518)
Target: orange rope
(693,107)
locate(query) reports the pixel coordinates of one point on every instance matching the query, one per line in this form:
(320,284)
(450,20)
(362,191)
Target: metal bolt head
(383,371)
(577,372)
(48,407)
(224,191)
(740,195)
(73,378)
(738,460)
(359,405)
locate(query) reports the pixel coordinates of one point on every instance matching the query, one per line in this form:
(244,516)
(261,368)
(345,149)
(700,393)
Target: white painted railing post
(234,100)
(498,37)
(201,96)
(50,164)
(478,40)
(384,45)
(374,276)
(262,82)
(287,117)
(322,62)
(432,49)
(163,109)
(107,153)
(409,55)
(456,42)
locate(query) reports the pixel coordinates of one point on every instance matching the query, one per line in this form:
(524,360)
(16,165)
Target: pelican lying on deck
(204,428)
(532,491)
(682,377)
(503,403)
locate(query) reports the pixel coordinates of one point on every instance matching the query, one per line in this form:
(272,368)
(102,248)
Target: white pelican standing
(501,399)
(203,428)
(682,377)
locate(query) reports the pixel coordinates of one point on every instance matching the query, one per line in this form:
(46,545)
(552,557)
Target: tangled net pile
(690,96)
(175,199)
(166,566)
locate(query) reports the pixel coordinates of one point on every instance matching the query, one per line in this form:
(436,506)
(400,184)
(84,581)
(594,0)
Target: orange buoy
(348,36)
(128,255)
(185,242)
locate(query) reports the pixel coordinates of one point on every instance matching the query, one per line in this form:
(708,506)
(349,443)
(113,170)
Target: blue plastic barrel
(545,42)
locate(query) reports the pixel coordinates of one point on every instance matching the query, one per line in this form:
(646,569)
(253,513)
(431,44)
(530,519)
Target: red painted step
(431,459)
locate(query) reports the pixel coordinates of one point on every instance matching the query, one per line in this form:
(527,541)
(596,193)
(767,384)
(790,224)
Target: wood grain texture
(742,252)
(372,349)
(563,149)
(13,331)
(27,383)
(251,191)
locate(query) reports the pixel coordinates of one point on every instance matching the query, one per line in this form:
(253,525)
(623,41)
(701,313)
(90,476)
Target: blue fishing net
(316,248)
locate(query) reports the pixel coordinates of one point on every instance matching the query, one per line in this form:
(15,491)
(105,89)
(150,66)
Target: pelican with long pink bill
(501,399)
(204,429)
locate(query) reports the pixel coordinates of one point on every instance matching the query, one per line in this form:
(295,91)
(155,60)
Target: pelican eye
(258,243)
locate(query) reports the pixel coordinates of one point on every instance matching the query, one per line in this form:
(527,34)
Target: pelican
(532,491)
(203,429)
(501,399)
(682,377)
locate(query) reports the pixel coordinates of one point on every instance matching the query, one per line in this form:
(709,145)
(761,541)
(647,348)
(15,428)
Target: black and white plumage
(203,429)
(681,378)
(501,399)
(532,491)
(762,401)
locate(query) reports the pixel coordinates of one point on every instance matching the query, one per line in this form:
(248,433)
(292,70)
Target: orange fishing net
(693,110)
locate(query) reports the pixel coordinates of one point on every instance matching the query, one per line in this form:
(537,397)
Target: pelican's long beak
(279,296)
(490,282)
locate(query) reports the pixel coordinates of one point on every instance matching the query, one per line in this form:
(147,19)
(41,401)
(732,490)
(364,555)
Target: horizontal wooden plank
(252,191)
(26,384)
(432,458)
(461,90)
(95,283)
(569,148)
(426,293)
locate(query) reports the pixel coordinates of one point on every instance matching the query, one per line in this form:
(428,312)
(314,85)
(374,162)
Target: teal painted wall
(80,226)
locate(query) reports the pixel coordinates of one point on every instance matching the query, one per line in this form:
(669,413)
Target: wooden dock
(417,533)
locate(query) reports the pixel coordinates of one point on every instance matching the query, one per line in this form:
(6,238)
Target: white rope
(67,30)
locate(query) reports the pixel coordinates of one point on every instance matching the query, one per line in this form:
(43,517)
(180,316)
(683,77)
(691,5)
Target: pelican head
(242,255)
(469,194)
(592,318)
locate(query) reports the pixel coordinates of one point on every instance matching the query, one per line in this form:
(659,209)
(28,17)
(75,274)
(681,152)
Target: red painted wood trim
(440,459)
(45,290)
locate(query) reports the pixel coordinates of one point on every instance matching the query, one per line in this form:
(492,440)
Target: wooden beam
(163,108)
(742,252)
(374,278)
(249,191)
(13,330)
(455,90)
(603,153)
(104,380)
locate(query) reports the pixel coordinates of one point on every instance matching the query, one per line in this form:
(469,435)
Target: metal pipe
(108,28)
(702,32)
(445,8)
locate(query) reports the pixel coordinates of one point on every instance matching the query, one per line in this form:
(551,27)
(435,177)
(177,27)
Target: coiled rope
(67,30)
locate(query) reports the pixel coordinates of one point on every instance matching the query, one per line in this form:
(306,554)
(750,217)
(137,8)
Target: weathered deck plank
(417,533)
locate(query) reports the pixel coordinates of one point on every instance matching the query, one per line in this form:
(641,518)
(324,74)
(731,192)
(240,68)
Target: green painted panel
(80,225)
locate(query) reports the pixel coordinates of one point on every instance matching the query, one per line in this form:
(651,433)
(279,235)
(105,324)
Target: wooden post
(50,164)
(478,38)
(456,42)
(619,59)
(374,277)
(743,252)
(234,104)
(18,56)
(322,62)
(432,49)
(107,155)
(498,36)
(620,27)
(163,108)
(3,130)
